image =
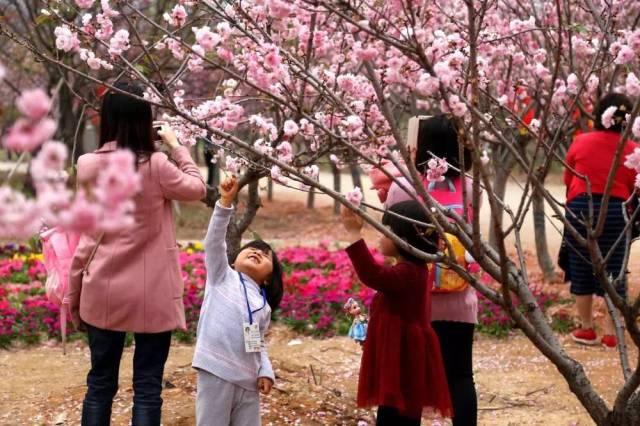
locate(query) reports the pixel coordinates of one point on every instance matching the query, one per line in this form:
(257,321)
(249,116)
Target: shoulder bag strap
(85,269)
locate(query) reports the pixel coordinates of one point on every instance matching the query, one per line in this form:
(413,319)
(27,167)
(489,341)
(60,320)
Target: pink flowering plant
(318,281)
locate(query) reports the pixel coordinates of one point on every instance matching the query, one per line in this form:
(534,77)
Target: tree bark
(311,198)
(502,173)
(68,122)
(270,189)
(356,178)
(336,187)
(546,263)
(239,223)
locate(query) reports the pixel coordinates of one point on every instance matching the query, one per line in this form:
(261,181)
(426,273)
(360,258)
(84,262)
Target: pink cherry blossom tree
(294,84)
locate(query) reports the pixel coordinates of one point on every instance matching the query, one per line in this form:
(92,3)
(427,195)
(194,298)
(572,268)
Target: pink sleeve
(387,279)
(381,183)
(398,194)
(85,171)
(182,182)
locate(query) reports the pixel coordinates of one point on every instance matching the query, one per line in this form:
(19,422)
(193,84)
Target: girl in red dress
(402,370)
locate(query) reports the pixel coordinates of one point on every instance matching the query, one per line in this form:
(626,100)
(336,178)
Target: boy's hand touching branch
(352,223)
(228,190)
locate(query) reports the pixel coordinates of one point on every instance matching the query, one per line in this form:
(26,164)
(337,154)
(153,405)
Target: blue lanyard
(246,297)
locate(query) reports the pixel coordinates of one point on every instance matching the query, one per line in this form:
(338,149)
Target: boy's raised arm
(215,245)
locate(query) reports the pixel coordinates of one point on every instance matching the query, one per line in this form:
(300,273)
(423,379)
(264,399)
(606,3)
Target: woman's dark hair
(439,135)
(624,105)
(127,120)
(421,237)
(275,289)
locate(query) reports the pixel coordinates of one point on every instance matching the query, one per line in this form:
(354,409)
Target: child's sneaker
(585,336)
(609,341)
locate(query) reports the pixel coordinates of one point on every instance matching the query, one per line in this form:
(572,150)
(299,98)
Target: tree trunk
(270,189)
(68,123)
(499,188)
(356,178)
(240,223)
(336,187)
(311,198)
(546,263)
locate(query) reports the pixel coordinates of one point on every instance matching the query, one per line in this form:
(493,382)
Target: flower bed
(318,281)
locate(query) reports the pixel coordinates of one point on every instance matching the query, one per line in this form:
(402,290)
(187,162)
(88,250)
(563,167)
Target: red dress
(401,364)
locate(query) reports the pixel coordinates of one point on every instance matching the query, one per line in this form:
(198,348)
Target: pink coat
(134,281)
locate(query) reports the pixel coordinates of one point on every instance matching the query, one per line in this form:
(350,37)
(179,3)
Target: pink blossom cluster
(119,43)
(34,127)
(105,205)
(109,206)
(220,113)
(177,17)
(66,39)
(632,161)
(437,167)
(355,196)
(608,116)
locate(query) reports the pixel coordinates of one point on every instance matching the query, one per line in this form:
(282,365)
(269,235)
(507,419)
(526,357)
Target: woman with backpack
(454,311)
(130,281)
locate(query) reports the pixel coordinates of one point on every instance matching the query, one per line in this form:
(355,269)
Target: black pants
(456,343)
(389,416)
(151,352)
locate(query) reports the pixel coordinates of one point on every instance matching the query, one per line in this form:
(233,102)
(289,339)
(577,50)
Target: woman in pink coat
(133,282)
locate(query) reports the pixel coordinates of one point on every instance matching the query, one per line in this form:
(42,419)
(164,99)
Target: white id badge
(252,339)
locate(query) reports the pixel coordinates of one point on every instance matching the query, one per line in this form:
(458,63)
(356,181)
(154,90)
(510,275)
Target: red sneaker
(585,336)
(609,341)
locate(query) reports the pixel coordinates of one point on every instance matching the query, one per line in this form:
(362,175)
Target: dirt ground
(315,385)
(317,379)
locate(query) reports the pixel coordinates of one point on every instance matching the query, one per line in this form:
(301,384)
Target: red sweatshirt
(591,155)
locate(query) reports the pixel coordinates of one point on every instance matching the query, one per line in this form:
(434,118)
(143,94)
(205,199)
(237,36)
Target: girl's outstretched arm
(215,245)
(371,273)
(387,279)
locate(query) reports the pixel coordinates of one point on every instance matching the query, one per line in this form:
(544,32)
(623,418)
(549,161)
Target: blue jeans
(151,352)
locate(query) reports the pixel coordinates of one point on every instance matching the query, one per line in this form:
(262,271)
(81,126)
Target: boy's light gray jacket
(220,337)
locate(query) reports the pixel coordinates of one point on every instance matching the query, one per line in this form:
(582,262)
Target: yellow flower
(189,251)
(198,246)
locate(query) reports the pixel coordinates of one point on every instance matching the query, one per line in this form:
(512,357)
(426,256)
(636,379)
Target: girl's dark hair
(127,120)
(275,289)
(439,135)
(421,237)
(624,105)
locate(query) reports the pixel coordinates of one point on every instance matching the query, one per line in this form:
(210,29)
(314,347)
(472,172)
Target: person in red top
(402,370)
(591,156)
